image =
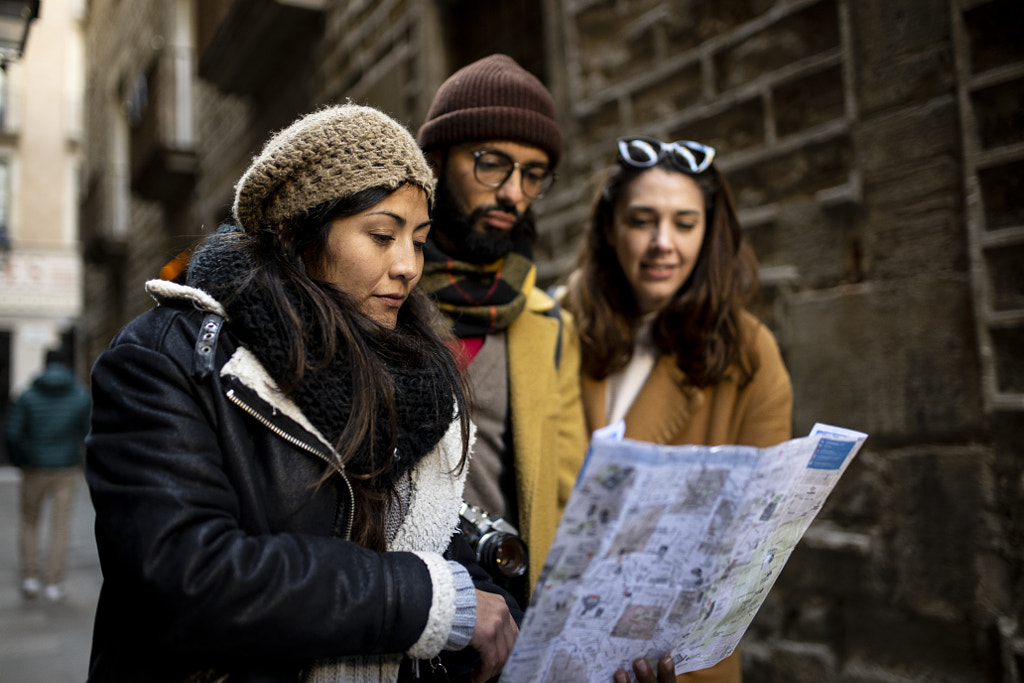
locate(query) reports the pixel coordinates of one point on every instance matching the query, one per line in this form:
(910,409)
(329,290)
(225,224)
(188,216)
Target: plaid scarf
(479,299)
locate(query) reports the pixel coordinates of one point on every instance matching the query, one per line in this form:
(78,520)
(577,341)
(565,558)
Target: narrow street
(42,642)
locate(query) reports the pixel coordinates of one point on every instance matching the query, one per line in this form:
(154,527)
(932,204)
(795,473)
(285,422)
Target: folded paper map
(670,549)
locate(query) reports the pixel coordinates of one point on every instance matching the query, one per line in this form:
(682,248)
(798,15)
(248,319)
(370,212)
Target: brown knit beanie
(492,99)
(332,153)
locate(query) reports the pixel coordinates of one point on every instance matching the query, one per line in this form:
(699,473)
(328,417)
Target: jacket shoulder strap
(206,346)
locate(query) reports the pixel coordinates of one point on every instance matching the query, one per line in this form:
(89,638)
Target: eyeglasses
(686,155)
(493,169)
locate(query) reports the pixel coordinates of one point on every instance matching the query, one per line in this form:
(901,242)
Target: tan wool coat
(669,410)
(549,439)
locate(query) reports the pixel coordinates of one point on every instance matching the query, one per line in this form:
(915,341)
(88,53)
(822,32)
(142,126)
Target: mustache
(480,212)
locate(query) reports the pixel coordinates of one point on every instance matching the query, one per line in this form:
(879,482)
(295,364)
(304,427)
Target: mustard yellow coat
(668,410)
(548,435)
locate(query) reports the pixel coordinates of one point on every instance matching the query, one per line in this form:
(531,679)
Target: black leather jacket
(221,547)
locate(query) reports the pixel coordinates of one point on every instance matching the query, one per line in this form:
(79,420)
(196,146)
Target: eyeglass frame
(520,165)
(682,148)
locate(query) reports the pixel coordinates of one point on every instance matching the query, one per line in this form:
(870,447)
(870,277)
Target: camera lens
(504,552)
(497,544)
(511,557)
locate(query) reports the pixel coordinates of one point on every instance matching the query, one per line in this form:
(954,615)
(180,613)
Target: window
(5,104)
(5,203)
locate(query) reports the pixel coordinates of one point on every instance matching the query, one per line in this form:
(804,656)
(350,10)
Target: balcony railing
(162,158)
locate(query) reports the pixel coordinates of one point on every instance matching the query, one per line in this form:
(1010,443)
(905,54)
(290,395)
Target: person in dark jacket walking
(44,433)
(278,449)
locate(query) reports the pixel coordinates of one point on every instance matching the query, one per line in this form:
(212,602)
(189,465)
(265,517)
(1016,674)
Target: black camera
(499,549)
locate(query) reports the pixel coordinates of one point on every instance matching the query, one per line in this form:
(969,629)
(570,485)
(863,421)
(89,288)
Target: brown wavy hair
(700,326)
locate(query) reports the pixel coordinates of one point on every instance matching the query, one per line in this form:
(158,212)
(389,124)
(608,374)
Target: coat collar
(661,409)
(538,301)
(165,290)
(243,364)
(437,481)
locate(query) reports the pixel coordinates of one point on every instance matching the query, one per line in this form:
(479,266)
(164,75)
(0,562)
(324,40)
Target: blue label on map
(830,454)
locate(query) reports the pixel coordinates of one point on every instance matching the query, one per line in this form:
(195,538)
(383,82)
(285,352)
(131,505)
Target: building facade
(40,157)
(876,150)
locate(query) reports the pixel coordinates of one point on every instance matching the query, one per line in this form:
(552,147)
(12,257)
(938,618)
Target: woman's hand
(493,635)
(666,671)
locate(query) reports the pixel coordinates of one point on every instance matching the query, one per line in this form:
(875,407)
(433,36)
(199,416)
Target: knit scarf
(479,299)
(423,401)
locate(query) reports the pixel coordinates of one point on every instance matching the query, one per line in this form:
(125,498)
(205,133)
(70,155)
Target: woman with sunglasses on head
(278,449)
(659,294)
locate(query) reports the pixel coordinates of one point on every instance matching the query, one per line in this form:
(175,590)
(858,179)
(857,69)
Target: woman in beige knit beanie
(278,449)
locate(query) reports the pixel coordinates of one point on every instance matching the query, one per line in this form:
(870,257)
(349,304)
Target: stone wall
(874,149)
(839,126)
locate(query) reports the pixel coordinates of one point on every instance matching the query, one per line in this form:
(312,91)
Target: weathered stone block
(908,61)
(669,95)
(608,52)
(808,32)
(700,20)
(889,85)
(859,501)
(602,125)
(859,671)
(922,132)
(812,588)
(916,226)
(740,127)
(889,359)
(913,193)
(882,644)
(809,101)
(891,30)
(789,662)
(793,175)
(939,504)
(821,243)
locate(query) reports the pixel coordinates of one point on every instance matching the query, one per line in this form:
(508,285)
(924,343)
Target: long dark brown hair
(700,326)
(281,254)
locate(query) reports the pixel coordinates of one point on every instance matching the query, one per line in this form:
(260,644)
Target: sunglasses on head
(686,155)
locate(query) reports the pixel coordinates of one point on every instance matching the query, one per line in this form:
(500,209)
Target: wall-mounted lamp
(15,18)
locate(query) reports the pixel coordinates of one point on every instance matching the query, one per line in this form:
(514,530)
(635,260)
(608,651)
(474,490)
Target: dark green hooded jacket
(47,425)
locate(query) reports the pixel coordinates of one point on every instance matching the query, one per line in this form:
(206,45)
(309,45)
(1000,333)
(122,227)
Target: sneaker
(54,592)
(30,587)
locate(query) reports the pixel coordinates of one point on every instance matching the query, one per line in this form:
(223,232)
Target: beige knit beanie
(332,153)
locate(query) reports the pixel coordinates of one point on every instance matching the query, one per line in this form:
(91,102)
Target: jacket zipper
(299,443)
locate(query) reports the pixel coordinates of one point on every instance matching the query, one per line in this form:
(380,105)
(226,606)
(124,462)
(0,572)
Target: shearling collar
(436,479)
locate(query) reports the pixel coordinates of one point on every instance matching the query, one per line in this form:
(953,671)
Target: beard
(470,244)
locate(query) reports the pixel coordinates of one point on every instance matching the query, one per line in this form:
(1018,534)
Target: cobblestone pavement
(39,641)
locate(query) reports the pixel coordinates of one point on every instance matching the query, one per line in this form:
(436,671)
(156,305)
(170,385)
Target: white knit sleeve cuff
(442,608)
